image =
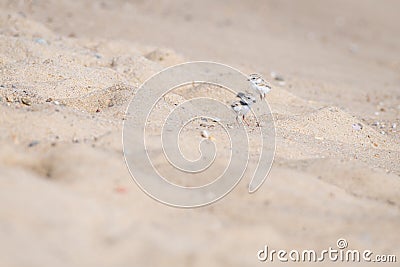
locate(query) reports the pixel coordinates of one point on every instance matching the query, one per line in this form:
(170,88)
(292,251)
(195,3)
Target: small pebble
(41,41)
(205,134)
(276,76)
(120,189)
(9,99)
(383,132)
(49,99)
(110,103)
(394,125)
(33,143)
(26,101)
(353,48)
(357,126)
(56,103)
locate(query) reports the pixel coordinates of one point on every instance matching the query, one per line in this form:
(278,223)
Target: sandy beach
(69,69)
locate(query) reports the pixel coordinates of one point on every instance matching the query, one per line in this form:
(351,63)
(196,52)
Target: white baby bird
(259,85)
(243,106)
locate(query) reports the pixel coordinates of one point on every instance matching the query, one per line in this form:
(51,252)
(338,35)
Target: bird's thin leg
(237,119)
(245,121)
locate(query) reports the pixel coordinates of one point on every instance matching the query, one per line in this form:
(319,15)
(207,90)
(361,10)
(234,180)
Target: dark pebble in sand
(26,101)
(277,77)
(33,143)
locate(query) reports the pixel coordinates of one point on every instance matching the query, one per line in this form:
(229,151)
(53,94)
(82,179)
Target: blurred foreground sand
(69,69)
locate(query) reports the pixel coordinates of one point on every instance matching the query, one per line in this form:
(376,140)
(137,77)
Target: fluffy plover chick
(243,106)
(259,85)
